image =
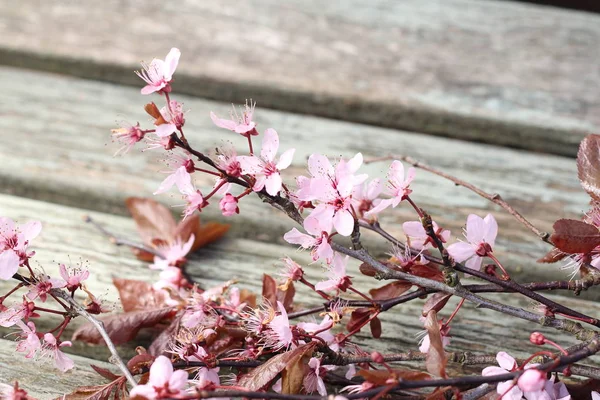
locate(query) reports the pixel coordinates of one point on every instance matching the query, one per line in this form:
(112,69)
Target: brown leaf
(552,256)
(122,328)
(359,317)
(367,269)
(292,376)
(588,165)
(153,110)
(162,341)
(380,376)
(427,271)
(286,297)
(140,361)
(573,236)
(104,372)
(390,290)
(436,303)
(138,295)
(375,325)
(207,233)
(269,289)
(436,356)
(100,392)
(153,220)
(262,375)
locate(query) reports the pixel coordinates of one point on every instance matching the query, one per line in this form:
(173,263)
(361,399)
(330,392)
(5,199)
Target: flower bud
(229,205)
(537,338)
(377,357)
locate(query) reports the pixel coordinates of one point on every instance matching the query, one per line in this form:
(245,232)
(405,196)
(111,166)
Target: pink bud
(229,205)
(532,380)
(537,338)
(377,357)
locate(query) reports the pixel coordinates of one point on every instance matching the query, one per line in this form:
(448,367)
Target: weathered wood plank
(41,380)
(65,234)
(500,72)
(54,133)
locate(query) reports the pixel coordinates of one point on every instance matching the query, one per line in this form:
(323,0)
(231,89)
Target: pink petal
(326,286)
(325,251)
(222,123)
(396,172)
(424,347)
(489,371)
(474,263)
(312,225)
(183,181)
(171,62)
(250,164)
(374,189)
(410,176)
(339,265)
(324,213)
(63,362)
(9,264)
(382,205)
(259,184)
(146,391)
(270,144)
(354,163)
(414,229)
(160,371)
(319,166)
(476,229)
(149,89)
(31,229)
(460,251)
(273,184)
(165,130)
(168,182)
(178,379)
(514,394)
(285,159)
(506,361)
(343,221)
(491,229)
(296,237)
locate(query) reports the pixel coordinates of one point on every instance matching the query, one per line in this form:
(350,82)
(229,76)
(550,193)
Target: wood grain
(55,147)
(500,72)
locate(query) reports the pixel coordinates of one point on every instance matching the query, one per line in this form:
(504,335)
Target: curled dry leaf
(161,342)
(262,375)
(436,356)
(122,328)
(359,317)
(293,375)
(588,165)
(273,293)
(436,302)
(572,236)
(552,256)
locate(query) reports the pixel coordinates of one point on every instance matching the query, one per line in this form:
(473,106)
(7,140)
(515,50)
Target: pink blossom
(322,330)
(481,235)
(10,316)
(172,119)
(313,382)
(195,200)
(280,336)
(14,241)
(336,272)
(293,272)
(43,285)
(128,135)
(595,396)
(507,364)
(30,342)
(242,124)
(173,254)
(170,277)
(418,239)
(8,392)
(363,196)
(397,187)
(51,348)
(229,205)
(532,380)
(206,379)
(165,143)
(73,277)
(159,74)
(163,381)
(264,168)
(226,160)
(318,239)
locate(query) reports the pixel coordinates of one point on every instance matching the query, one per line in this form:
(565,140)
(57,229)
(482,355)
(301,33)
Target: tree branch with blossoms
(268,353)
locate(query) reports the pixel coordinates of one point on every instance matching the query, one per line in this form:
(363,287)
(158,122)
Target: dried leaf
(153,220)
(139,362)
(367,269)
(436,356)
(162,341)
(380,376)
(262,375)
(359,317)
(427,271)
(152,110)
(100,392)
(122,328)
(138,295)
(292,376)
(573,236)
(269,289)
(390,290)
(588,165)
(375,325)
(436,303)
(552,256)
(204,234)
(104,372)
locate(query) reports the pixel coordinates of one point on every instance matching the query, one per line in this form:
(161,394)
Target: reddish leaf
(436,303)
(100,392)
(286,297)
(390,290)
(246,296)
(262,375)
(573,236)
(162,341)
(121,328)
(436,356)
(375,325)
(427,271)
(359,317)
(552,256)
(204,234)
(269,290)
(104,372)
(153,220)
(140,361)
(380,376)
(138,295)
(588,165)
(367,269)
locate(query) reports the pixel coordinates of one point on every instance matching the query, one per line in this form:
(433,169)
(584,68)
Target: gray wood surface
(501,72)
(66,238)
(55,146)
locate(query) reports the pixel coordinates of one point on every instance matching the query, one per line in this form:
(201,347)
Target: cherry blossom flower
(507,364)
(363,196)
(324,331)
(242,124)
(313,382)
(14,392)
(14,241)
(318,239)
(336,272)
(293,272)
(206,379)
(43,285)
(30,342)
(264,168)
(128,135)
(195,200)
(73,277)
(51,348)
(172,119)
(163,382)
(159,74)
(229,205)
(226,160)
(595,396)
(363,387)
(397,187)
(280,336)
(417,237)
(481,235)
(532,380)
(11,315)
(173,254)
(258,319)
